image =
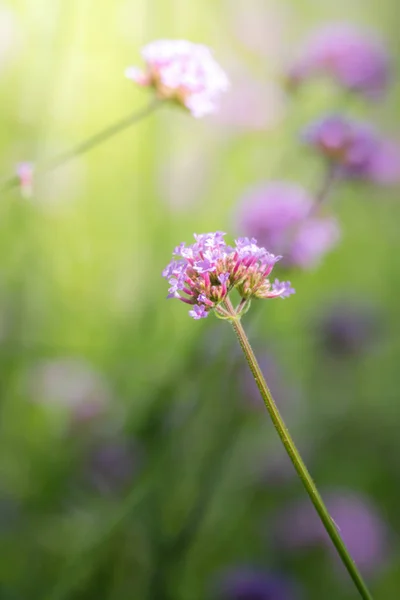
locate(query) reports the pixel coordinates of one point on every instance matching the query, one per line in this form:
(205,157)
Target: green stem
(86,145)
(295,456)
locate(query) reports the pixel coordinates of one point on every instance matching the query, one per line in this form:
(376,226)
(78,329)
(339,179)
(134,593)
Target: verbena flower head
(355,149)
(354,58)
(278,214)
(251,583)
(184,72)
(204,273)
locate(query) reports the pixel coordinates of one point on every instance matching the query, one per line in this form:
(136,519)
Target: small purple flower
(355,149)
(198,311)
(360,526)
(278,214)
(208,270)
(354,58)
(282,288)
(251,583)
(223,278)
(184,72)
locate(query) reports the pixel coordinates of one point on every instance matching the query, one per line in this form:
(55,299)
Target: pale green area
(80,266)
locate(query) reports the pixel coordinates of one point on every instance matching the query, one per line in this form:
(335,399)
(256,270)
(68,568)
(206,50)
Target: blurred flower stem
(328,181)
(86,145)
(294,455)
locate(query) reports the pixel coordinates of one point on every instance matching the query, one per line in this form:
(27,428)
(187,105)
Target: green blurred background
(131,462)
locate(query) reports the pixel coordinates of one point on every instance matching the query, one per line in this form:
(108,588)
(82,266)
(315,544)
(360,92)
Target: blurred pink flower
(360,525)
(277,214)
(184,72)
(25,172)
(356,59)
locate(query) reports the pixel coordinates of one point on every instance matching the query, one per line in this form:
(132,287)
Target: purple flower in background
(112,466)
(250,583)
(314,238)
(184,72)
(278,214)
(208,270)
(355,149)
(384,167)
(348,328)
(356,59)
(360,525)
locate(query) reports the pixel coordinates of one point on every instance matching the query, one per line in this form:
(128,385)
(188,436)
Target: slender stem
(88,144)
(325,189)
(296,458)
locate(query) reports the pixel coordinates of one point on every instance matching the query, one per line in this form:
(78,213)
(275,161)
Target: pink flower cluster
(184,72)
(208,270)
(354,58)
(278,214)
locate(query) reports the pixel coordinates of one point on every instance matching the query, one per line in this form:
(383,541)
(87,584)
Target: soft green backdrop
(80,266)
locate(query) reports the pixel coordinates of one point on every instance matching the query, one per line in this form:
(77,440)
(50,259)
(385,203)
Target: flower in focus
(250,583)
(208,270)
(24,172)
(360,526)
(348,329)
(278,215)
(354,58)
(355,149)
(184,72)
